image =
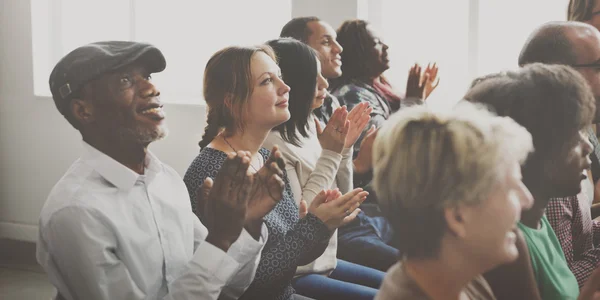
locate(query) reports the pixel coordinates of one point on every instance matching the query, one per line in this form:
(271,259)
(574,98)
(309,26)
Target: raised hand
(414,88)
(267,190)
(336,210)
(223,203)
(430,79)
(363,162)
(359,117)
(333,137)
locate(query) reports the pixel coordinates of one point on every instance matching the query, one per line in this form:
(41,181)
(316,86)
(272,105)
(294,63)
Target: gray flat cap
(91,61)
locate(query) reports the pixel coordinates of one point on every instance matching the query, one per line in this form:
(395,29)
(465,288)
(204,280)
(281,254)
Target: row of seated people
(284,164)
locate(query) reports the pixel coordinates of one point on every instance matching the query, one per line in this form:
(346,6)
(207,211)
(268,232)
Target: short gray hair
(427,160)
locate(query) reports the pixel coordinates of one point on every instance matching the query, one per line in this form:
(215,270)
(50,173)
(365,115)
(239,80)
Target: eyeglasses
(590,65)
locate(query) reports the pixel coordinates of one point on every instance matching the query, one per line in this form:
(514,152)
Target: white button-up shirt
(107,232)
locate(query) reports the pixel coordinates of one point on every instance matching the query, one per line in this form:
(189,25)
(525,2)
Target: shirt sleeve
(308,186)
(561,213)
(244,254)
(82,248)
(344,178)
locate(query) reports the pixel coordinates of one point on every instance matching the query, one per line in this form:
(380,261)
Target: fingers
(276,158)
(371,130)
(320,198)
(303,211)
(358,110)
(275,187)
(346,128)
(318,125)
(351,217)
(202,193)
(344,200)
(358,113)
(363,123)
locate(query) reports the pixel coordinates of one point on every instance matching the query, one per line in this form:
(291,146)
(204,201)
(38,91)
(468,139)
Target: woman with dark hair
(246,98)
(364,60)
(314,162)
(555,105)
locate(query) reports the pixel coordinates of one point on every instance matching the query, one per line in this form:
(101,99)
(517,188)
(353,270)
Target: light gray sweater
(311,169)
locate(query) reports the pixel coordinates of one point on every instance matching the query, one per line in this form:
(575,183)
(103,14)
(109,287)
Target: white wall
(37,145)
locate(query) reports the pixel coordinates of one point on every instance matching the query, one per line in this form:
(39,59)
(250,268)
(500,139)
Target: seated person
(367,240)
(118,224)
(317,158)
(441,176)
(554,104)
(578,45)
(246,98)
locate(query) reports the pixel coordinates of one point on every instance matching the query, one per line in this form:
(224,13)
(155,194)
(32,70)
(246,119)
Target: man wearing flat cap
(118,224)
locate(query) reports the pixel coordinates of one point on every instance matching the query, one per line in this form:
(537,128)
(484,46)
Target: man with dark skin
(119,225)
(577,45)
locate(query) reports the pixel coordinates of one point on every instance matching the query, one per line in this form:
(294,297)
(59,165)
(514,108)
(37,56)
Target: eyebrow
(266,73)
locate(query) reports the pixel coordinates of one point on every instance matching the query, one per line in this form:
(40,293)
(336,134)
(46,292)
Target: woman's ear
(455,218)
(228,101)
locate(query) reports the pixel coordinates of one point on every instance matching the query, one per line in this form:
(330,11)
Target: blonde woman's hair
(427,160)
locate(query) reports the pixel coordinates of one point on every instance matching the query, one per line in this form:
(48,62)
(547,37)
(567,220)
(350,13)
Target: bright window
(187,32)
(505,25)
(467,38)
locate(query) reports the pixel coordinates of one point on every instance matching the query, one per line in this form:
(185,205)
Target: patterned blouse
(292,241)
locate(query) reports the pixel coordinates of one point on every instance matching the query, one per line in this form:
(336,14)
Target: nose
(385,46)
(587,146)
(525,197)
(337,47)
(283,88)
(322,83)
(148,89)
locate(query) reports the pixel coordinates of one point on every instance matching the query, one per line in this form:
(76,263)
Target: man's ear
(82,110)
(455,218)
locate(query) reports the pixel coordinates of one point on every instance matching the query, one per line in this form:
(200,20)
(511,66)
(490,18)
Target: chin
(510,253)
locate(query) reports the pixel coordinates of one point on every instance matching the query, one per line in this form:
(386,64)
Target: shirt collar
(116,173)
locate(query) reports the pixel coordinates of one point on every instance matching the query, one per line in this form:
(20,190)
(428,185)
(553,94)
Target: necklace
(224,139)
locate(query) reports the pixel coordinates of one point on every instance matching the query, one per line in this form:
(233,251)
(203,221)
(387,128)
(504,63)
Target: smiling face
(323,40)
(267,106)
(378,59)
(494,243)
(124,105)
(566,172)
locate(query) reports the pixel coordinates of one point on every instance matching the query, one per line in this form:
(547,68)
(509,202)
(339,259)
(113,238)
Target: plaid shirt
(577,233)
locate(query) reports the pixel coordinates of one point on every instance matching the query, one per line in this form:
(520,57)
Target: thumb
(303,209)
(320,199)
(318,126)
(202,194)
(371,130)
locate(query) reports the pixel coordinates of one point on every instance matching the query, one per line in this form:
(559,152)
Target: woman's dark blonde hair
(227,87)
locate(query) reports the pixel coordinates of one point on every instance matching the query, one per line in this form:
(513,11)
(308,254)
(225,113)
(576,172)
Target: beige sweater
(311,169)
(398,285)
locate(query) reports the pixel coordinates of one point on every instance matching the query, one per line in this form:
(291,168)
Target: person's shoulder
(77,180)
(397,284)
(352,92)
(206,164)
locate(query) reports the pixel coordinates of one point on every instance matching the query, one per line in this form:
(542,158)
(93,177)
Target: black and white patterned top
(292,241)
